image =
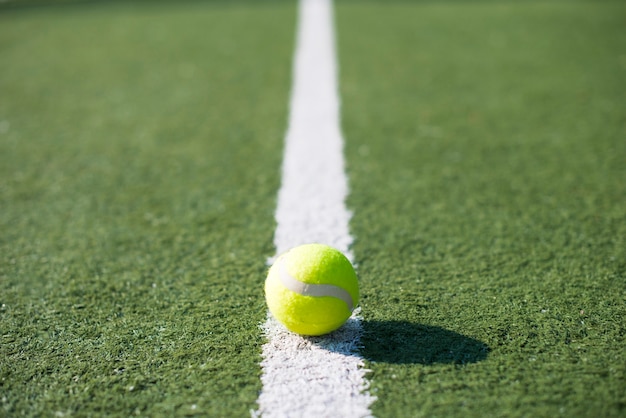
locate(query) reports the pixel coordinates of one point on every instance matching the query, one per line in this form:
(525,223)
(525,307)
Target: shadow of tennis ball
(403,342)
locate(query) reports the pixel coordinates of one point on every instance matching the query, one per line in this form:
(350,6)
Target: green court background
(486,146)
(139,165)
(140,147)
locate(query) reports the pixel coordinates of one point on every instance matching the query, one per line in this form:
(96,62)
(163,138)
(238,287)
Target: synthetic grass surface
(139,163)
(486,147)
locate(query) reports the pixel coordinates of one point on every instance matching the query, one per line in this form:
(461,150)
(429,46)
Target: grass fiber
(140,147)
(486,152)
(138,175)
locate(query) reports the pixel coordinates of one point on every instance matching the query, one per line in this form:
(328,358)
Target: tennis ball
(312,289)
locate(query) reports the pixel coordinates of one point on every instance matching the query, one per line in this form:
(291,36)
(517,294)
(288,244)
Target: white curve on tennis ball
(312,289)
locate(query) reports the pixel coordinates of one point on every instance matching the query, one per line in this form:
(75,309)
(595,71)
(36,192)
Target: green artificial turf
(486,147)
(139,163)
(140,147)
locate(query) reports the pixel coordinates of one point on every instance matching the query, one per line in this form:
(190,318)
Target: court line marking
(313,376)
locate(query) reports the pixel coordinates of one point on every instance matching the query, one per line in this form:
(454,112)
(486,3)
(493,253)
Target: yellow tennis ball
(312,289)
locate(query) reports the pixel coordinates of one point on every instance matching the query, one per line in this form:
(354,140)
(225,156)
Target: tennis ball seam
(312,289)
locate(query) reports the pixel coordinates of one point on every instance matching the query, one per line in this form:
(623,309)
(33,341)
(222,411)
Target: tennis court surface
(141,146)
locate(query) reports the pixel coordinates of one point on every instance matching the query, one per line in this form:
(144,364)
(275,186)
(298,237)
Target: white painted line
(313,376)
(311,200)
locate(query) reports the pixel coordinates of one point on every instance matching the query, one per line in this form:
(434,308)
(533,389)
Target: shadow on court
(403,342)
